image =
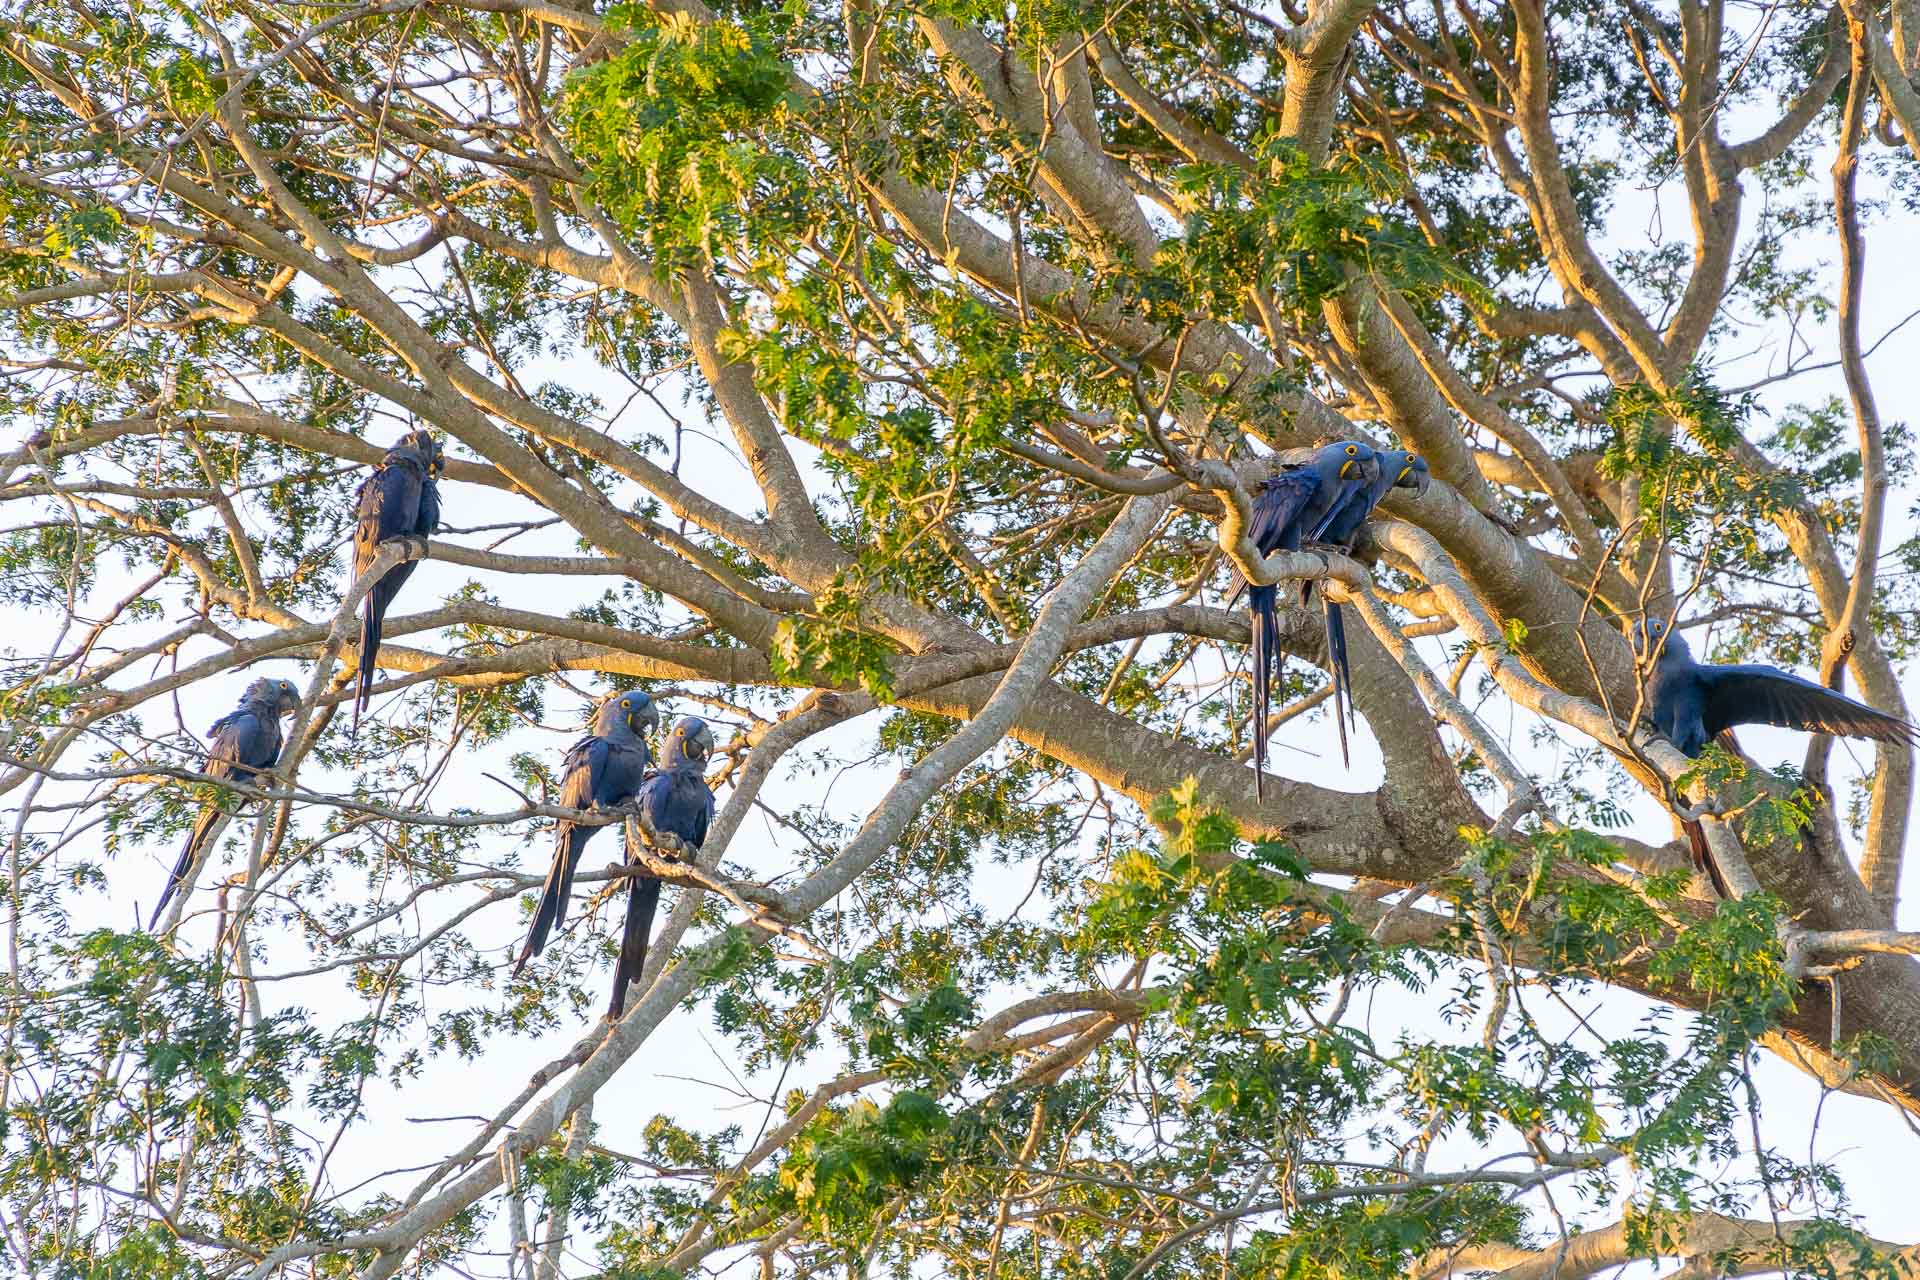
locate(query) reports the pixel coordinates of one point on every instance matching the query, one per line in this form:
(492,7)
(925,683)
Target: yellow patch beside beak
(1346,469)
(1404,473)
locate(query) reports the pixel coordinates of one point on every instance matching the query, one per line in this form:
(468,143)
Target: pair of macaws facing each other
(1324,503)
(400,499)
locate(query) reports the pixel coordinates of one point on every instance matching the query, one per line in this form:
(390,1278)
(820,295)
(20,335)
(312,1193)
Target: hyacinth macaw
(1398,468)
(675,799)
(401,499)
(604,770)
(246,741)
(1692,703)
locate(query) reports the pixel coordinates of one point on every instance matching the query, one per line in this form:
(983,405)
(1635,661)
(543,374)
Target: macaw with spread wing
(1692,703)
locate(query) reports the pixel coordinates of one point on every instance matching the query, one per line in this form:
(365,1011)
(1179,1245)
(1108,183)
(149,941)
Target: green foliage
(833,646)
(1767,808)
(575,1187)
(80,228)
(1681,489)
(1232,1039)
(1295,229)
(667,125)
(170,1060)
(846,1168)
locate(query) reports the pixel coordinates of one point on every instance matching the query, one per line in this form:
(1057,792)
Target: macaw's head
(1409,470)
(634,711)
(1345,460)
(691,740)
(1652,636)
(277,694)
(421,448)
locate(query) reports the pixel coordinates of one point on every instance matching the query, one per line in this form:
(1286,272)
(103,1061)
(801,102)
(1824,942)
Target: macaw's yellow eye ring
(1353,451)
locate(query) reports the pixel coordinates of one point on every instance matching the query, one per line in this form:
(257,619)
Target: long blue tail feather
(1264,622)
(642,898)
(369,648)
(202,826)
(1342,677)
(551,912)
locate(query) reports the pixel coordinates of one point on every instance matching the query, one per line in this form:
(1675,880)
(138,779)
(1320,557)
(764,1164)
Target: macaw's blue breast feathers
(1347,470)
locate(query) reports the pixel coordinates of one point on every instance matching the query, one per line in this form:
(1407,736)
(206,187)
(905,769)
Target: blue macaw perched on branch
(674,799)
(1287,507)
(401,499)
(1693,703)
(604,770)
(245,741)
(1397,469)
